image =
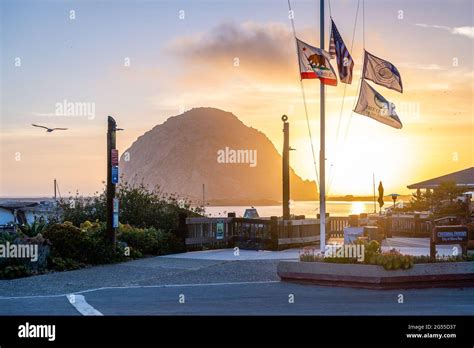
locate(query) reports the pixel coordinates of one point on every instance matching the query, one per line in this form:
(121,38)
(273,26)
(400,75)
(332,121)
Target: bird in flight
(49,130)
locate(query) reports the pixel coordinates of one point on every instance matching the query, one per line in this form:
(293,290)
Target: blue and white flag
(382,72)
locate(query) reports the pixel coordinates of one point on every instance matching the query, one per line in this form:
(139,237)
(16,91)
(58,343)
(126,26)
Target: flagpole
(322,156)
(373,183)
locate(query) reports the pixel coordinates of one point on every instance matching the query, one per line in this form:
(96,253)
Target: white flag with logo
(374,105)
(382,72)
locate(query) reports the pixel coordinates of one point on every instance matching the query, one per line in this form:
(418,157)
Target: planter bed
(447,274)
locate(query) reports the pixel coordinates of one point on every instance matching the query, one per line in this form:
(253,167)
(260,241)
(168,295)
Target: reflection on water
(307,208)
(357,208)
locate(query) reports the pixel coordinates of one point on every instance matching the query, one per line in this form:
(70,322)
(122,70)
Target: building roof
(462,178)
(12,205)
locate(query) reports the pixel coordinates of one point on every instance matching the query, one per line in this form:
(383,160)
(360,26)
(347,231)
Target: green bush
(139,207)
(19,267)
(149,241)
(33,229)
(14,270)
(68,241)
(393,260)
(72,246)
(60,264)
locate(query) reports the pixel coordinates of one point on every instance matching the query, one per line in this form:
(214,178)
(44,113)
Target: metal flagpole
(373,183)
(322,156)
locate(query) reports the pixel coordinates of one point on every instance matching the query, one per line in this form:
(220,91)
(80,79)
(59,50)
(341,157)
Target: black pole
(111,130)
(286,168)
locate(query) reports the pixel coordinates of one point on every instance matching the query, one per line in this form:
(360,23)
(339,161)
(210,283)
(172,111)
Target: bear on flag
(314,64)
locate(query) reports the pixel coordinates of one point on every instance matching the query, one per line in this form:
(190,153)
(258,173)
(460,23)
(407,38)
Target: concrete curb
(449,274)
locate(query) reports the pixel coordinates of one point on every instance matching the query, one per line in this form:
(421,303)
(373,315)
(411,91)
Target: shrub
(149,241)
(20,267)
(14,270)
(393,260)
(68,241)
(60,264)
(139,206)
(33,229)
(72,246)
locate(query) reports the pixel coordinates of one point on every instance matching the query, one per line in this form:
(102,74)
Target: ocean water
(307,208)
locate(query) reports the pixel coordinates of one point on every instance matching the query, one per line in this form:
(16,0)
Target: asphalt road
(173,286)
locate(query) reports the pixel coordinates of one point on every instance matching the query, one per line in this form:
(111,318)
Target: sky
(144,61)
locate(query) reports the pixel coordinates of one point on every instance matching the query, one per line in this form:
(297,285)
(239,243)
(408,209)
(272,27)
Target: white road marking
(79,302)
(136,287)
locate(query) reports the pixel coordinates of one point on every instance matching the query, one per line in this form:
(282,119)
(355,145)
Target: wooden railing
(262,233)
(275,233)
(407,226)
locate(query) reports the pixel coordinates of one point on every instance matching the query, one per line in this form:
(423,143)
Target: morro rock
(236,163)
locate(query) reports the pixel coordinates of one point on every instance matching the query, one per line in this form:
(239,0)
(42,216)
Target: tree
(419,201)
(442,200)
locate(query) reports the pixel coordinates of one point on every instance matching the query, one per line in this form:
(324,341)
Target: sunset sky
(180,63)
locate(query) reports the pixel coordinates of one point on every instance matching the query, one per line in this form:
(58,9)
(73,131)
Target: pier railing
(275,233)
(261,233)
(408,226)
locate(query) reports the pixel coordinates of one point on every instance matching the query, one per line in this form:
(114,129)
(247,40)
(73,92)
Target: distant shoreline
(238,202)
(230,202)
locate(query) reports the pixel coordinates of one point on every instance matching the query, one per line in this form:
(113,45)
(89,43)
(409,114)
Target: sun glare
(357,208)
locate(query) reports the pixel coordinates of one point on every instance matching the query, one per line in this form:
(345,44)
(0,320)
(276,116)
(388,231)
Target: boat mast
(322,156)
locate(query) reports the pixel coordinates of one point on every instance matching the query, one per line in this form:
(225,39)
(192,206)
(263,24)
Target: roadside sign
(115,175)
(115,222)
(114,157)
(450,234)
(220,230)
(116,205)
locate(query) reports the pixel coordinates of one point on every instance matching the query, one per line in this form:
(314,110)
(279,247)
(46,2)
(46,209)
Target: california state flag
(314,64)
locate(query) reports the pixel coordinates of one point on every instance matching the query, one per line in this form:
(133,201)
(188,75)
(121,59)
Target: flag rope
(304,100)
(333,169)
(361,70)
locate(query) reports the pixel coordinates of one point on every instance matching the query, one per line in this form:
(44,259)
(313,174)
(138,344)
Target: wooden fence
(275,233)
(261,233)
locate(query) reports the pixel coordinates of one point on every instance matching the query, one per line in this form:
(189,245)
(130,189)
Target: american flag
(338,50)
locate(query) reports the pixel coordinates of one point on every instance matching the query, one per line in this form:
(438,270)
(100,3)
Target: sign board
(114,157)
(115,221)
(220,230)
(450,234)
(116,205)
(115,175)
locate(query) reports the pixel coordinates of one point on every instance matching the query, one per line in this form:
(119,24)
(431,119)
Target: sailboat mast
(322,156)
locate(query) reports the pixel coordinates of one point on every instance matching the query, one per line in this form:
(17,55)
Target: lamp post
(394,197)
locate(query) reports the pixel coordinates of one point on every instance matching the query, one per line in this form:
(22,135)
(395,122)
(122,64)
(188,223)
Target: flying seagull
(49,130)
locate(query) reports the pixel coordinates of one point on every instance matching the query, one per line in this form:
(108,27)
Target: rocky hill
(237,164)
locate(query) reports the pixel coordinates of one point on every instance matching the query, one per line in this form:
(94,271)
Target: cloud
(261,50)
(464,31)
(412,65)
